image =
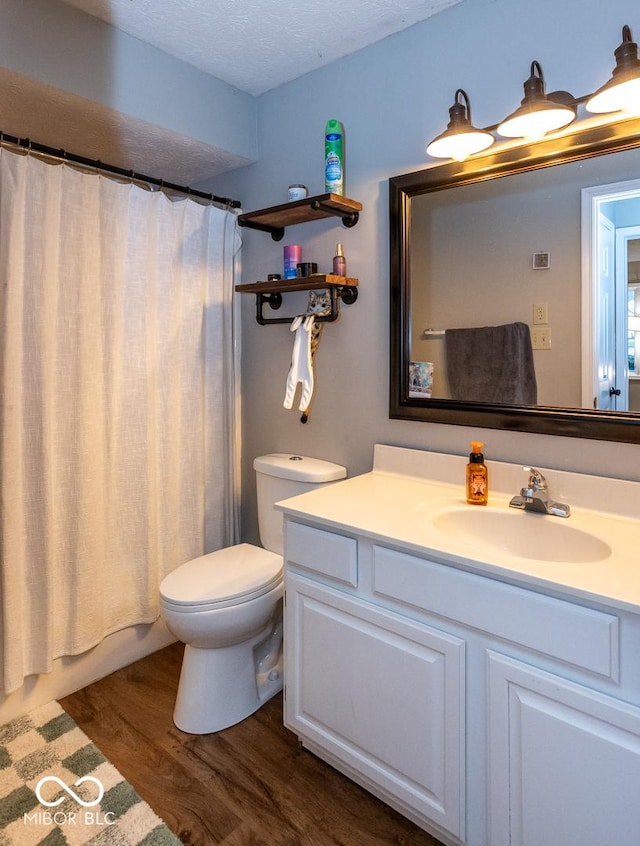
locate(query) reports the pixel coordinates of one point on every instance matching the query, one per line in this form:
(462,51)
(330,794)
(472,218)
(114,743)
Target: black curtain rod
(118,171)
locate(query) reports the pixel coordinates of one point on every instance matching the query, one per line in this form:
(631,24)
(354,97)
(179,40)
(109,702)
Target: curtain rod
(133,175)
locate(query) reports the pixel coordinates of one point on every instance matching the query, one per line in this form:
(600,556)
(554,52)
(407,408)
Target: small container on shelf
(339,262)
(292,257)
(297,191)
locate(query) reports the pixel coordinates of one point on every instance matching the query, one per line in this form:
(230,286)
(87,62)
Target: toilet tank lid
(301,468)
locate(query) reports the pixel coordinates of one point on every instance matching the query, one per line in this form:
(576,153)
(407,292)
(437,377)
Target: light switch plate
(541,337)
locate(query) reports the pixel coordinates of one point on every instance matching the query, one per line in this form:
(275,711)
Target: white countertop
(399,509)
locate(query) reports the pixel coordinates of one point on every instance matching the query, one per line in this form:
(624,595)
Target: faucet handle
(537,481)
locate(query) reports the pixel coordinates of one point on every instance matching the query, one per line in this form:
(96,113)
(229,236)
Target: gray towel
(491,364)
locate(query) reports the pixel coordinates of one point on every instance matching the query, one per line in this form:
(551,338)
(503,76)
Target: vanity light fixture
(460,139)
(538,114)
(622,92)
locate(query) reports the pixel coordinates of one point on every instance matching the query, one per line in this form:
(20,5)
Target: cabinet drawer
(322,552)
(570,633)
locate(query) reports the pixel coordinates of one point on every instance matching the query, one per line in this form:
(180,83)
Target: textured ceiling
(256,45)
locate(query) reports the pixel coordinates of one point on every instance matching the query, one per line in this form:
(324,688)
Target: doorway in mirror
(611,296)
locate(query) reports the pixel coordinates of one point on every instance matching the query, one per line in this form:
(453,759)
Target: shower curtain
(117,356)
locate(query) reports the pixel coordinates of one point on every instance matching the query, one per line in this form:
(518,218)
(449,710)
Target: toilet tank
(279,476)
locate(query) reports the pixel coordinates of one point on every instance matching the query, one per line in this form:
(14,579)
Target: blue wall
(393,97)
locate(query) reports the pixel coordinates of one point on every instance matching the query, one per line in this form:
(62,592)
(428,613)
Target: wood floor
(250,785)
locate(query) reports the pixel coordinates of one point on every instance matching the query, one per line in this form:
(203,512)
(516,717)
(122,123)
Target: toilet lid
(237,573)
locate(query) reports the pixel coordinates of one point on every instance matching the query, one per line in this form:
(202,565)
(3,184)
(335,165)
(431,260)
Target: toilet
(226,607)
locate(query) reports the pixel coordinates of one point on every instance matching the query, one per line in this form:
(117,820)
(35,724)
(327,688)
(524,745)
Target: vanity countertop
(394,504)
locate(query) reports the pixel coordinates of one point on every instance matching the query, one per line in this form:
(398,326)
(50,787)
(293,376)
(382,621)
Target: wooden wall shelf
(303,283)
(275,218)
(341,288)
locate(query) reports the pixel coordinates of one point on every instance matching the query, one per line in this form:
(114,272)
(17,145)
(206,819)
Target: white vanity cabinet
(378,695)
(564,761)
(490,713)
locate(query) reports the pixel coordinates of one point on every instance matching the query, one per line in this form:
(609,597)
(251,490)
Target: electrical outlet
(540,313)
(541,337)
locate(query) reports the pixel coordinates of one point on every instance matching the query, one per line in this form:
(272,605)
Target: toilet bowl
(226,607)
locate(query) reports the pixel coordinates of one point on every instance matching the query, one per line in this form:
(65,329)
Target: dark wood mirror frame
(569,422)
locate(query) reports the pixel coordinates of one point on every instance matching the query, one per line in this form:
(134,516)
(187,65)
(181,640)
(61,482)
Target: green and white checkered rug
(58,789)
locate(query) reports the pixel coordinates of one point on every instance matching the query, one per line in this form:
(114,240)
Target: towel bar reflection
(435,333)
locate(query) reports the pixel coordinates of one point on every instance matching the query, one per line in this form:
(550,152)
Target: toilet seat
(220,579)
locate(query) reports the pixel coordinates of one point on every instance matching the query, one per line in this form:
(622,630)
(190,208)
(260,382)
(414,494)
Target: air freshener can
(334,157)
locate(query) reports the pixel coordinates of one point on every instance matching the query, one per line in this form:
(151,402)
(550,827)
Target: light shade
(633,323)
(622,92)
(537,113)
(460,139)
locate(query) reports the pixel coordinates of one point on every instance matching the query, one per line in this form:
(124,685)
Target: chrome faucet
(536,498)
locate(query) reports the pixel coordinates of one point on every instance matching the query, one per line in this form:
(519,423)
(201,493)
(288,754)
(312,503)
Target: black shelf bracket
(348,294)
(276,232)
(349,219)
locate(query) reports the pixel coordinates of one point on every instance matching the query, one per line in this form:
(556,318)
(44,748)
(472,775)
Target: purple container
(292,255)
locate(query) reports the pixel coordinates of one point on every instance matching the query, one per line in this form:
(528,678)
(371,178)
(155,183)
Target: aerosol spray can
(334,157)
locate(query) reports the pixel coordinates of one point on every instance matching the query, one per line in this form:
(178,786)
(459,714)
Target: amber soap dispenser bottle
(477,476)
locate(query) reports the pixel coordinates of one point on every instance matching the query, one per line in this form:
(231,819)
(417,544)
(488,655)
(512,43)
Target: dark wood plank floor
(250,785)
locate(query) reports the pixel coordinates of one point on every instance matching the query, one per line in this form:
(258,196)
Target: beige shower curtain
(117,403)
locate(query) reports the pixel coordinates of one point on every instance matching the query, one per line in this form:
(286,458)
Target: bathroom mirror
(456,263)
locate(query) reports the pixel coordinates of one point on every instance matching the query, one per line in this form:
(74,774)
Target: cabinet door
(564,761)
(380,694)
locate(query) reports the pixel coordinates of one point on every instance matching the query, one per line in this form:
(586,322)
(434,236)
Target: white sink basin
(527,535)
